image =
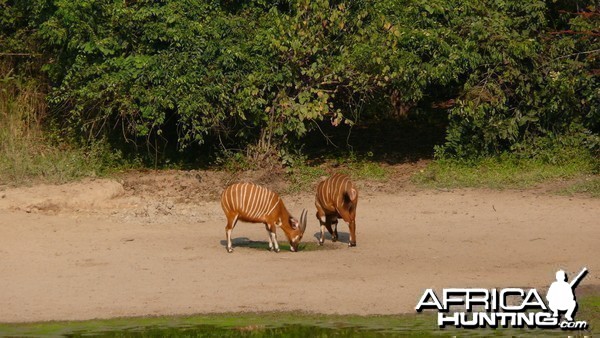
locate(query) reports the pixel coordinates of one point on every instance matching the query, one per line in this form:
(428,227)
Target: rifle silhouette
(579,277)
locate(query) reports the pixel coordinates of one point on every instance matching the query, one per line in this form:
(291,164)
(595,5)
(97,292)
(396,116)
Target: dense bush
(514,75)
(537,84)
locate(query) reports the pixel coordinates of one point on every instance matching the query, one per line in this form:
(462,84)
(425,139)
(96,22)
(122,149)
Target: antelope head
(298,231)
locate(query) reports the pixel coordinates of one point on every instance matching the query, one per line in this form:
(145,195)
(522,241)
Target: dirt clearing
(154,245)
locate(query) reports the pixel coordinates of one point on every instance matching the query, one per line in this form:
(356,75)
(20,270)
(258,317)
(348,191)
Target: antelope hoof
(276,250)
(334,238)
(351,244)
(320,242)
(230,250)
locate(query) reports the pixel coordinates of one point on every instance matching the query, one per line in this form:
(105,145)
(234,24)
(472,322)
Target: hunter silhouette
(561,296)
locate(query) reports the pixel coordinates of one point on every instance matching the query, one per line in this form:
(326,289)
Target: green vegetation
(589,310)
(498,173)
(284,246)
(365,169)
(241,324)
(303,177)
(25,163)
(245,84)
(588,186)
(280,324)
(29,154)
(510,170)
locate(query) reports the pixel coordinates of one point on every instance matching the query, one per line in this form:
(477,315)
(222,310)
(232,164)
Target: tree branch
(580,53)
(21,54)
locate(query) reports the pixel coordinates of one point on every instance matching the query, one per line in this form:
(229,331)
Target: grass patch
(367,170)
(501,172)
(301,177)
(264,246)
(589,186)
(589,310)
(22,163)
(28,152)
(361,167)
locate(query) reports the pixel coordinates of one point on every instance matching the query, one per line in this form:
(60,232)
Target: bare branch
(580,53)
(21,54)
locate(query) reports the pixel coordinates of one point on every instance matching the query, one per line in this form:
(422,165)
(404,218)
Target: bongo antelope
(336,198)
(252,203)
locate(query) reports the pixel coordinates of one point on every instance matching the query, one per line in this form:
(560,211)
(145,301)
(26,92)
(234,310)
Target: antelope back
(335,191)
(249,201)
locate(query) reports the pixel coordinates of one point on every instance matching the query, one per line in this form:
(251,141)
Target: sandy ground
(154,245)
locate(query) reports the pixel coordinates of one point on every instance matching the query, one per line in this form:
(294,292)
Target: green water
(270,324)
(215,331)
(235,325)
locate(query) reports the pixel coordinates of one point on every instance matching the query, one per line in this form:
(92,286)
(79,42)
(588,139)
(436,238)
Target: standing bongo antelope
(336,198)
(252,203)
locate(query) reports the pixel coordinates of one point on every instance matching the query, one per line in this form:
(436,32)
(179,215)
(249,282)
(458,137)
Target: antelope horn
(303,220)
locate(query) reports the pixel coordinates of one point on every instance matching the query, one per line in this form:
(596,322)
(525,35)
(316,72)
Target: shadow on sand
(244,242)
(343,237)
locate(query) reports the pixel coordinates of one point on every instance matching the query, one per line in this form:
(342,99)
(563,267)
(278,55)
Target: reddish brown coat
(336,198)
(252,203)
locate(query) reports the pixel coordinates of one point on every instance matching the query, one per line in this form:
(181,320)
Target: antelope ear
(352,194)
(293,223)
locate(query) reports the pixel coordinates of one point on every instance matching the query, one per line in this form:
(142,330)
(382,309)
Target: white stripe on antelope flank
(235,194)
(256,203)
(243,194)
(223,204)
(273,207)
(246,192)
(268,202)
(259,202)
(227,192)
(251,201)
(231,192)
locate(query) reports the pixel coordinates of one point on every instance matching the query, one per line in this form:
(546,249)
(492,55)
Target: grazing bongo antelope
(336,198)
(252,203)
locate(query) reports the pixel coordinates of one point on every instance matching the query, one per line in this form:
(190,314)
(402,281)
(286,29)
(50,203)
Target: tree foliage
(260,74)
